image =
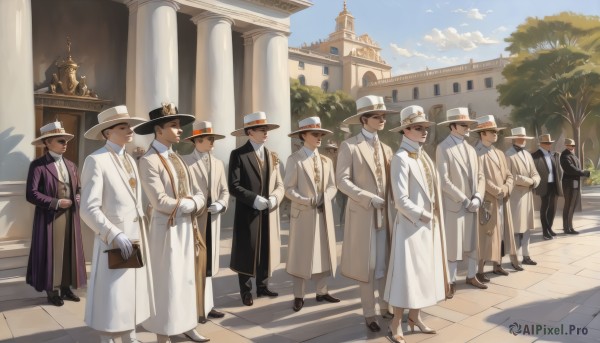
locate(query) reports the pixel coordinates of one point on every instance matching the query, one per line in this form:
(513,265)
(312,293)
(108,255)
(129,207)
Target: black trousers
(548,208)
(572,198)
(262,262)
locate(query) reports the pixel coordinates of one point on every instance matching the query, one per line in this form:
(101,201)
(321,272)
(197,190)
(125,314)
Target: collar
(412,145)
(483,146)
(456,137)
(56,156)
(310,153)
(368,135)
(199,155)
(255,146)
(544,151)
(120,150)
(162,149)
(517,148)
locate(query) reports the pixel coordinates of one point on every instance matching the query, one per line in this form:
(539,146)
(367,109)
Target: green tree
(554,74)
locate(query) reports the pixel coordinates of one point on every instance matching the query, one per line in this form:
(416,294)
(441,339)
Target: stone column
(214,99)
(17,117)
(271,85)
(152,61)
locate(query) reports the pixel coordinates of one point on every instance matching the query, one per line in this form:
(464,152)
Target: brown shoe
(498,270)
(481,277)
(474,282)
(452,291)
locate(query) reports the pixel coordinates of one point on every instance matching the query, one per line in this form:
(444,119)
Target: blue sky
(414,35)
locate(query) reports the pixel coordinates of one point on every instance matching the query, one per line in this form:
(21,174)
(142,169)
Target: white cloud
(429,11)
(464,24)
(450,38)
(473,13)
(500,29)
(400,51)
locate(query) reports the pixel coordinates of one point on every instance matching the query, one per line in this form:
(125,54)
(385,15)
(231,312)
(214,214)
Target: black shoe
(54,299)
(265,291)
(482,278)
(373,326)
(215,314)
(552,233)
(327,297)
(298,304)
(498,270)
(570,232)
(247,299)
(547,236)
(529,261)
(517,267)
(67,293)
(202,320)
(387,315)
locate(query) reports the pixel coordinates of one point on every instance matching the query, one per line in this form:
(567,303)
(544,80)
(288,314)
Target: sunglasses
(464,125)
(61,141)
(419,128)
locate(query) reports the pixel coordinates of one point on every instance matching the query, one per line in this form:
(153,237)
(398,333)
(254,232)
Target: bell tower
(344,21)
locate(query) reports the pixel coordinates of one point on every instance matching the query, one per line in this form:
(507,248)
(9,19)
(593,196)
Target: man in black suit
(571,184)
(548,166)
(255,182)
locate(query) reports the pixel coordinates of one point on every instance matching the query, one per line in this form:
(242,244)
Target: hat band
(459,117)
(310,126)
(61,130)
(487,125)
(117,116)
(412,118)
(202,131)
(372,107)
(255,122)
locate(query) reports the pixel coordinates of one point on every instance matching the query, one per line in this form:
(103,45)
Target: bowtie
(518,148)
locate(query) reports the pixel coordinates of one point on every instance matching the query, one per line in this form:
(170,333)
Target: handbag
(116,261)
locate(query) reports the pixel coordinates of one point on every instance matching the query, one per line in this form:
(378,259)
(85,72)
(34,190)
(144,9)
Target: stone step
(13,286)
(14,254)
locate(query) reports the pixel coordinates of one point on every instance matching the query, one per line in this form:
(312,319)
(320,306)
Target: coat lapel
(120,170)
(51,166)
(458,157)
(250,156)
(308,169)
(213,187)
(367,152)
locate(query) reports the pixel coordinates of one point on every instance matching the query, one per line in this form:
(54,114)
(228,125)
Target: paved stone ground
(563,290)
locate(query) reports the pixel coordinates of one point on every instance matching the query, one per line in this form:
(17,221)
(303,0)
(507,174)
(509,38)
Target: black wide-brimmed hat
(161,115)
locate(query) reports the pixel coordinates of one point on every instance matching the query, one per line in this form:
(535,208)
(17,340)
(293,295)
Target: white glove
(124,244)
(272,202)
(215,207)
(474,205)
(377,202)
(260,203)
(187,206)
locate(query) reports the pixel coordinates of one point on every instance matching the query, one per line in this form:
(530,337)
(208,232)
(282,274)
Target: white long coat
(417,273)
(117,299)
(526,178)
(171,249)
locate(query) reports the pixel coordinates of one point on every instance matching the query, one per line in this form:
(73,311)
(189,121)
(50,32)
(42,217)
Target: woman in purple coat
(56,257)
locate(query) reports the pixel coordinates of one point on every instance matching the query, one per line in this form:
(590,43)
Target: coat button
(136,219)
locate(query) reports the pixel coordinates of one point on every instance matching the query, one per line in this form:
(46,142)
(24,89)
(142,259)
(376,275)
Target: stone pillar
(271,85)
(152,61)
(214,99)
(17,118)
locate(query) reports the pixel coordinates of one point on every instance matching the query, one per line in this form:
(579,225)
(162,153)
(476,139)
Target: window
(325,70)
(300,65)
(415,93)
(333,50)
(325,86)
(302,80)
(395,95)
(489,83)
(436,89)
(469,85)
(456,87)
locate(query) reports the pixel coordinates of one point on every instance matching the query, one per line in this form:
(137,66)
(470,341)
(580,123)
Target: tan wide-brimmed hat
(53,129)
(545,138)
(518,132)
(163,114)
(368,104)
(111,117)
(485,123)
(569,142)
(458,115)
(412,115)
(253,120)
(331,145)
(203,128)
(308,125)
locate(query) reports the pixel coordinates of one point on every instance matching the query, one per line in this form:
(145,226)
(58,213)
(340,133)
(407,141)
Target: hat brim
(546,142)
(488,129)
(298,132)
(95,133)
(242,132)
(422,123)
(355,119)
(468,121)
(38,141)
(147,127)
(217,137)
(517,137)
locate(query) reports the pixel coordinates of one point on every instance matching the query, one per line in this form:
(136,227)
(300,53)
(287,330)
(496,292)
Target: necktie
(182,186)
(428,175)
(62,171)
(206,161)
(317,174)
(378,169)
(129,169)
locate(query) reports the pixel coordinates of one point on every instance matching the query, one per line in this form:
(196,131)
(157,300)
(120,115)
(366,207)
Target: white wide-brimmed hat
(518,132)
(253,120)
(203,128)
(53,129)
(458,115)
(331,145)
(412,115)
(368,104)
(309,124)
(163,114)
(569,142)
(111,117)
(545,138)
(485,123)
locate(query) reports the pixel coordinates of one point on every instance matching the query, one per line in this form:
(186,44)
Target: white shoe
(195,336)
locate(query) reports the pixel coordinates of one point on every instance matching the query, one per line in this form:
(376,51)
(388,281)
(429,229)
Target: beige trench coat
(300,188)
(526,178)
(498,179)
(355,177)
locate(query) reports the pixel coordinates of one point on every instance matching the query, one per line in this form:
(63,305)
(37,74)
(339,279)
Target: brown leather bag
(116,261)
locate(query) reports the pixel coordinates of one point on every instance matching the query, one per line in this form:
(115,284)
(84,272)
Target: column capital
(252,35)
(206,15)
(133,5)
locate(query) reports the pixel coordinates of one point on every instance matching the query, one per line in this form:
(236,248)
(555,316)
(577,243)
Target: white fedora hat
(253,120)
(485,123)
(203,128)
(458,115)
(368,104)
(545,138)
(53,129)
(111,117)
(309,124)
(518,132)
(412,115)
